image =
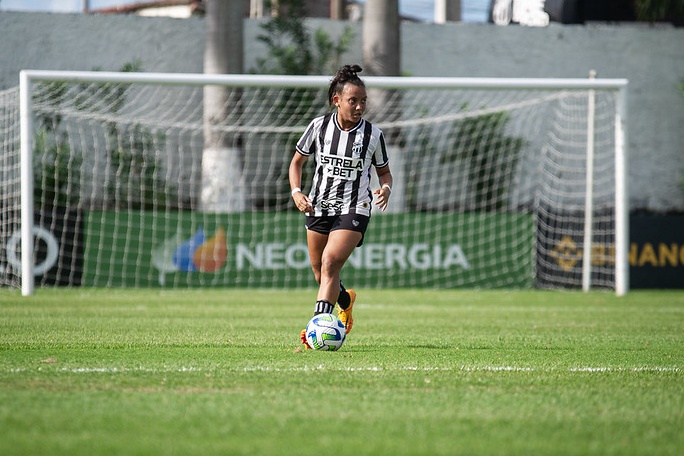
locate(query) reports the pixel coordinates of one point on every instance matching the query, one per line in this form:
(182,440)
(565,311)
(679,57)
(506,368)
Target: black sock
(344,300)
(323,306)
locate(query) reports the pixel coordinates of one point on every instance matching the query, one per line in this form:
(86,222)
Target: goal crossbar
(261,80)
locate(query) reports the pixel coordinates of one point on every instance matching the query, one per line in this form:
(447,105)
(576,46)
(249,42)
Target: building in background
(418,11)
(541,12)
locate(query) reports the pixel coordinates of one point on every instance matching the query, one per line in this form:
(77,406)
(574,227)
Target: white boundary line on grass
(320,367)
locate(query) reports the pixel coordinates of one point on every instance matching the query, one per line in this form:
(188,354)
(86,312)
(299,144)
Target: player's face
(351,104)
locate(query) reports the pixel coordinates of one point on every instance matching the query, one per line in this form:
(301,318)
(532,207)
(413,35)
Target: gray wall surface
(652,58)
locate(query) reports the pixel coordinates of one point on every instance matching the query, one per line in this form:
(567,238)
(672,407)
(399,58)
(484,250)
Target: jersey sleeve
(305,145)
(380,158)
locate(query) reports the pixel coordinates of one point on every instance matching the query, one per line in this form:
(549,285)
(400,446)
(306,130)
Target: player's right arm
(302,201)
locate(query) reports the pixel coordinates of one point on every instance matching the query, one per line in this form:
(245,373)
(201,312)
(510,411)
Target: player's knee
(331,265)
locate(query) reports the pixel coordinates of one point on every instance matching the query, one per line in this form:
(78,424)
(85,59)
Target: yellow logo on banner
(566,253)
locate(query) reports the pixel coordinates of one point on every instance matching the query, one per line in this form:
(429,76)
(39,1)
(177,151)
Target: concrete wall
(651,58)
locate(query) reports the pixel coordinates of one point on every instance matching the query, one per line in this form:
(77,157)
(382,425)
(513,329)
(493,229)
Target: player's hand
(382,197)
(302,202)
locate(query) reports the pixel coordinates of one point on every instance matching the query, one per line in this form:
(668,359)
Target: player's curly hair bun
(346,74)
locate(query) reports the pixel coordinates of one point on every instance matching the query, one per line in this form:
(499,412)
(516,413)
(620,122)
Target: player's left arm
(385,190)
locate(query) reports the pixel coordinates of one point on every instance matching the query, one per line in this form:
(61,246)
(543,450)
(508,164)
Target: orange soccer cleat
(345,315)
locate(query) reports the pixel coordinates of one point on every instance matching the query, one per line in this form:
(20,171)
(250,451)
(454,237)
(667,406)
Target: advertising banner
(58,249)
(656,253)
(269,250)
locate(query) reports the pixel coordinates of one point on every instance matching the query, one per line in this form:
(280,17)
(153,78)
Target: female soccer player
(338,207)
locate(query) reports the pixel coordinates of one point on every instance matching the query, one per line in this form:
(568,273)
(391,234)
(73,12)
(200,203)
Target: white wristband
(387,187)
(296,190)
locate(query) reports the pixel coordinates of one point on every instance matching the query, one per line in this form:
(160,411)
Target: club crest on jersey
(357,148)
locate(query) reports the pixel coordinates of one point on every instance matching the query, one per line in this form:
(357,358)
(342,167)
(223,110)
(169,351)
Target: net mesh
(143,185)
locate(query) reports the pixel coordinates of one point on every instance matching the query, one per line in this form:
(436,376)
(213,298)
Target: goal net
(179,180)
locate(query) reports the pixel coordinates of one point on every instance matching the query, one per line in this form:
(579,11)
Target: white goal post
(500,182)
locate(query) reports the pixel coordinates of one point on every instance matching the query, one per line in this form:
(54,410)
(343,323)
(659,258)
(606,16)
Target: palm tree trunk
(447,11)
(223,187)
(382,57)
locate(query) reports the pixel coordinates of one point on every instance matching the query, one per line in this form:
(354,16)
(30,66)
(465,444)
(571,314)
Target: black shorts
(328,223)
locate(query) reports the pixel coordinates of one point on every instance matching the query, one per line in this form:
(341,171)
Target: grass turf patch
(423,372)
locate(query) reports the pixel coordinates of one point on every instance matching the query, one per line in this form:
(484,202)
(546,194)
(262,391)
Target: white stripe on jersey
(344,159)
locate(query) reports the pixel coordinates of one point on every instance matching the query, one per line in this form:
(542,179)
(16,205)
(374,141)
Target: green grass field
(204,372)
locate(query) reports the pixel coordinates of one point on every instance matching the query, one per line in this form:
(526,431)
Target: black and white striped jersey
(342,177)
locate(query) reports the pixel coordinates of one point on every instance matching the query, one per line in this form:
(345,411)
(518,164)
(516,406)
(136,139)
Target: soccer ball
(325,332)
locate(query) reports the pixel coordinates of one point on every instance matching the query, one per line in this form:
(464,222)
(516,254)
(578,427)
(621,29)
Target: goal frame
(28,77)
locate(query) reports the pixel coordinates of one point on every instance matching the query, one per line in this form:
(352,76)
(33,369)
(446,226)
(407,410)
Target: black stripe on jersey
(333,151)
(335,142)
(320,144)
(321,132)
(367,135)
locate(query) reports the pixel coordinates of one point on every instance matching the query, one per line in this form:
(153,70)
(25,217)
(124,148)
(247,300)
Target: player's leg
(316,243)
(347,297)
(341,243)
